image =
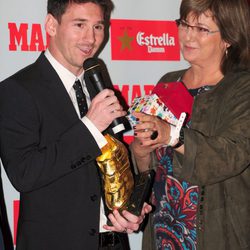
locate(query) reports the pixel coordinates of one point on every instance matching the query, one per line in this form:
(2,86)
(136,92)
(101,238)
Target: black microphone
(93,71)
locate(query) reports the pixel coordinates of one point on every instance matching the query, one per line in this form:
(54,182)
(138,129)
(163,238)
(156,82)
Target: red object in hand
(176,97)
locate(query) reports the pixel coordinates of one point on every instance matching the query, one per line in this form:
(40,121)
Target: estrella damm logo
(144,40)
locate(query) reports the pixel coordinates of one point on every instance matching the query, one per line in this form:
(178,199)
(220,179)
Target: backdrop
(143,46)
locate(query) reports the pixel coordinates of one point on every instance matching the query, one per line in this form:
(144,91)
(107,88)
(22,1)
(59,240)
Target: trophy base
(141,192)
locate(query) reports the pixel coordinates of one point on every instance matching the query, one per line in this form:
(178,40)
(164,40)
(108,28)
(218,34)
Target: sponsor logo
(144,40)
(27,37)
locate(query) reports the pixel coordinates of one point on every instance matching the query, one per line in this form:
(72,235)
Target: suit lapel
(60,102)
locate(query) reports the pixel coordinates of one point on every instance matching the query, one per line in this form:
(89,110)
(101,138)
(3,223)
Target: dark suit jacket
(49,156)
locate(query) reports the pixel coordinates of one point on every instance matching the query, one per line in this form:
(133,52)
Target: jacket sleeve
(30,160)
(212,157)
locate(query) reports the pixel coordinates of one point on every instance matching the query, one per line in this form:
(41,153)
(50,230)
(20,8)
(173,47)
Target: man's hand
(104,108)
(127,222)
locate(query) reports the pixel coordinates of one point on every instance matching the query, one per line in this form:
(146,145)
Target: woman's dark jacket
(217,159)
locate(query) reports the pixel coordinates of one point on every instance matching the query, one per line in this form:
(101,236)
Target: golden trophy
(116,174)
(121,189)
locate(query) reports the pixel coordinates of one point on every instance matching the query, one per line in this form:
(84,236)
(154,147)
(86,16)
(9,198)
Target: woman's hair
(233,20)
(58,7)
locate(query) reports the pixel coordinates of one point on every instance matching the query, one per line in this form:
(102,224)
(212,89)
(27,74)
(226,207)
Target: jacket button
(93,197)
(92,232)
(73,166)
(88,157)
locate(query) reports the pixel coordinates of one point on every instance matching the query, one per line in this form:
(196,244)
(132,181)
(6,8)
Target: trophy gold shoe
(116,174)
(121,189)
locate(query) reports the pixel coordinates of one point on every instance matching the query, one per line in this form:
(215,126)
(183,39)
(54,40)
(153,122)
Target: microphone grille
(90,63)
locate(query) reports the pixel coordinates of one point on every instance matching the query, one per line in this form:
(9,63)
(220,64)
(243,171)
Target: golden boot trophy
(121,189)
(116,174)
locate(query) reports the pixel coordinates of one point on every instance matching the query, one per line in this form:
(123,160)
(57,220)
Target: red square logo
(144,40)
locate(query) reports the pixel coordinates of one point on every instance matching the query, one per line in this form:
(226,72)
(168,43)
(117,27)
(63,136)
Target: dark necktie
(81,98)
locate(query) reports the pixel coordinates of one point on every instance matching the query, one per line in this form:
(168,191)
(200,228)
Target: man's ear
(50,25)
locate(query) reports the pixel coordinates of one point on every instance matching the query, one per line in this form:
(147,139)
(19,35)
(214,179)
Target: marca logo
(144,40)
(27,37)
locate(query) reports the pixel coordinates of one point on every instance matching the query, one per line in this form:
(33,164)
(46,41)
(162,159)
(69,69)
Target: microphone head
(90,63)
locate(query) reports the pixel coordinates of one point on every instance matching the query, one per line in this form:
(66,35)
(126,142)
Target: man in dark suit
(48,147)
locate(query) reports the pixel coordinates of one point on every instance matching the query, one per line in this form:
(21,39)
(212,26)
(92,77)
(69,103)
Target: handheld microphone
(93,70)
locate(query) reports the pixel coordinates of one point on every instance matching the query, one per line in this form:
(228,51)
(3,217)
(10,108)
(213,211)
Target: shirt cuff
(98,136)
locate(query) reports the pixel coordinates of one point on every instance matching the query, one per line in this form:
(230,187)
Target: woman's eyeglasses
(201,31)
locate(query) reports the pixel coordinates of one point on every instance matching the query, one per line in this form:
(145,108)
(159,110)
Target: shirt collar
(67,77)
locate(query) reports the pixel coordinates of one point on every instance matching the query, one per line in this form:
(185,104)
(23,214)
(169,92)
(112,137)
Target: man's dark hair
(58,7)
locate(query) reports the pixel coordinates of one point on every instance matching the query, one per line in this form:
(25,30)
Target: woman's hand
(143,143)
(147,125)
